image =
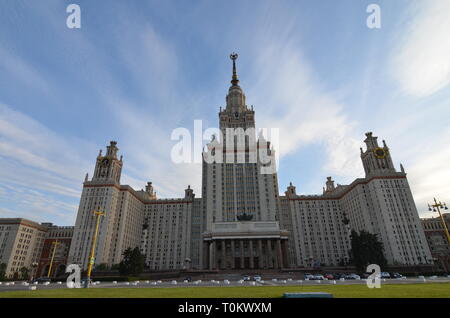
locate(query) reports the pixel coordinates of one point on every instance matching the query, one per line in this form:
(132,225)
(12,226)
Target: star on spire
(234,80)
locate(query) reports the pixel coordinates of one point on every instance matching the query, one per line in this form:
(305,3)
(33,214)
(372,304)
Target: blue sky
(137,70)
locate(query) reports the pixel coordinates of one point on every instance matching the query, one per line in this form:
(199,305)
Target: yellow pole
(94,240)
(53,256)
(437,206)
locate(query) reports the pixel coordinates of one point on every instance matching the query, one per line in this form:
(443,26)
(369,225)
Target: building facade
(437,240)
(21,242)
(28,244)
(56,245)
(241,221)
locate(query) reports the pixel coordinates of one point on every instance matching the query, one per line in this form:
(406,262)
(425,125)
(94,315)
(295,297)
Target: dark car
(339,276)
(41,280)
(385,275)
(396,275)
(328,276)
(188,279)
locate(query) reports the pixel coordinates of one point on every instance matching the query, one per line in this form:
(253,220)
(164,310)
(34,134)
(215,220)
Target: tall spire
(234,80)
(235,98)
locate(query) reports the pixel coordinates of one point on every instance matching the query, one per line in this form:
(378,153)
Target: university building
(437,240)
(241,221)
(56,245)
(28,244)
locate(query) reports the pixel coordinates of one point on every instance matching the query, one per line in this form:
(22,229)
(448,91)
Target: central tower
(234,187)
(239,194)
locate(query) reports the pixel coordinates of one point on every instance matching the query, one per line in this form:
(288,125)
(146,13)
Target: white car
(318,277)
(257,278)
(352,276)
(308,276)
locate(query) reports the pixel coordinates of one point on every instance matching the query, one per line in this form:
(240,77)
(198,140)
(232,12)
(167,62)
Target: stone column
(205,260)
(224,257)
(279,254)
(250,248)
(216,255)
(232,254)
(260,255)
(212,256)
(284,249)
(275,255)
(241,242)
(268,254)
(201,260)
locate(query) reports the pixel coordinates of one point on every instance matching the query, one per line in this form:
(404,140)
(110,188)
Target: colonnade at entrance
(244,253)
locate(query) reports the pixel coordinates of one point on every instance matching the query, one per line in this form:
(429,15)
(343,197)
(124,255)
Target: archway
(45,270)
(61,270)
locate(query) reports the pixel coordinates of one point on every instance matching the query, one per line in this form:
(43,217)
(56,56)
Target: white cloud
(428,170)
(27,141)
(144,130)
(38,159)
(146,145)
(419,140)
(421,62)
(21,71)
(150,59)
(42,172)
(289,97)
(36,205)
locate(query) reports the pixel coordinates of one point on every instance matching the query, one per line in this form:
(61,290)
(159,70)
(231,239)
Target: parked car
(339,276)
(41,280)
(308,276)
(189,279)
(318,277)
(385,275)
(245,278)
(328,276)
(257,278)
(396,275)
(352,276)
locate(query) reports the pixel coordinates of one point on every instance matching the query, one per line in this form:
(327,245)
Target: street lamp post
(438,205)
(98,214)
(55,245)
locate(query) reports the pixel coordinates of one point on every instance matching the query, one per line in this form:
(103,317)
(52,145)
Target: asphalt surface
(8,286)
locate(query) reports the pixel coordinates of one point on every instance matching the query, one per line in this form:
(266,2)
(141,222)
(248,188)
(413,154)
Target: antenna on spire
(233,57)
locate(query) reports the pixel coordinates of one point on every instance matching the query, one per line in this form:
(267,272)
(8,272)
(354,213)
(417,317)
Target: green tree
(132,263)
(115,267)
(2,271)
(101,267)
(24,273)
(366,249)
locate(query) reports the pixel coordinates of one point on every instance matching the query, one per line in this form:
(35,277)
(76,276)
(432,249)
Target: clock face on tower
(380,153)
